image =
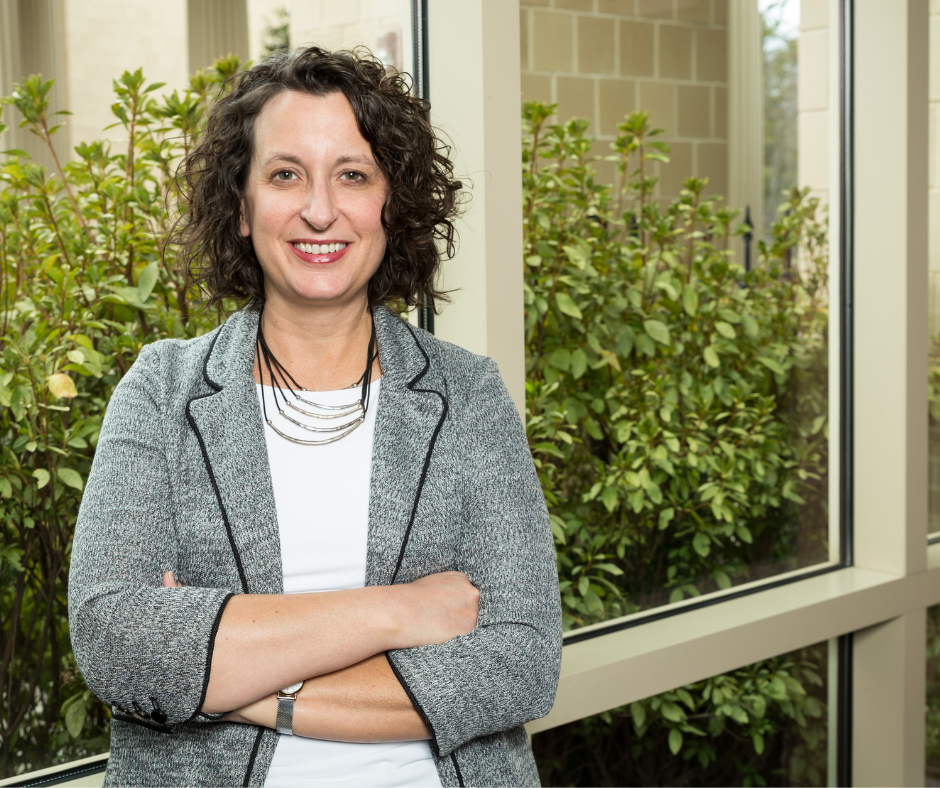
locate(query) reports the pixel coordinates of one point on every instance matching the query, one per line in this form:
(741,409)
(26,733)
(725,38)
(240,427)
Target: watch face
(292,688)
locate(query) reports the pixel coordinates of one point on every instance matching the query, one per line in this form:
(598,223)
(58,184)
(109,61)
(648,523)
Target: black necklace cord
(266,357)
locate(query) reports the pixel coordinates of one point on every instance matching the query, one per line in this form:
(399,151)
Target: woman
(313,548)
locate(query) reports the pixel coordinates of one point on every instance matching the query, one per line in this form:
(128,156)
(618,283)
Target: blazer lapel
(412,409)
(228,425)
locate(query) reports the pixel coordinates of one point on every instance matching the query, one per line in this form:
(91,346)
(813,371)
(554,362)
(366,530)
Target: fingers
(169,580)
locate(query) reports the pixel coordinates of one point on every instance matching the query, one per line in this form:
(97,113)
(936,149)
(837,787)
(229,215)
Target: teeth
(319,248)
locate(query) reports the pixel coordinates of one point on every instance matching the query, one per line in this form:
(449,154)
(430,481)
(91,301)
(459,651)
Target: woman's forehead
(294,126)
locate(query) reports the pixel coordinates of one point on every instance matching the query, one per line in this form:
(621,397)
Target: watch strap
(285,714)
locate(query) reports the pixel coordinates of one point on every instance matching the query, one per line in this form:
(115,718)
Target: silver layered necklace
(304,413)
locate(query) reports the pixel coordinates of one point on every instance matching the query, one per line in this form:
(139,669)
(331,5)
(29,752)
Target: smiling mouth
(319,248)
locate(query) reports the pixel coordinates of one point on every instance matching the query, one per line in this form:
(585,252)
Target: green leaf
(686,698)
(657,331)
(42,477)
(6,489)
(771,364)
(751,327)
(690,300)
(609,498)
(672,711)
(702,544)
(758,706)
(675,741)
(561,359)
(665,517)
(147,280)
(568,306)
(722,579)
(726,330)
(711,357)
(71,478)
(646,345)
(625,339)
(638,712)
(758,743)
(739,715)
(75,718)
(583,585)
(579,363)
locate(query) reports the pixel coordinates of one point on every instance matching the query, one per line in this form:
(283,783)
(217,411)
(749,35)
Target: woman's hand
(440,607)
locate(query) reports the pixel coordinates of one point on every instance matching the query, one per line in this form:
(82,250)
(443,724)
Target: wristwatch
(285,708)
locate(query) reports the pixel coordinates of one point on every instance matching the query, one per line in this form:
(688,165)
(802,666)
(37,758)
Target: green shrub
(764,724)
(677,404)
(677,412)
(84,287)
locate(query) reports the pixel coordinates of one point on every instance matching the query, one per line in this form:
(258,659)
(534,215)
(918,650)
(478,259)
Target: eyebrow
(349,159)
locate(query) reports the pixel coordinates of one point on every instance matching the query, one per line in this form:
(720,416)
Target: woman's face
(313,203)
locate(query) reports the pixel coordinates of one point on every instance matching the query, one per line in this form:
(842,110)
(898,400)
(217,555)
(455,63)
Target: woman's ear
(243,225)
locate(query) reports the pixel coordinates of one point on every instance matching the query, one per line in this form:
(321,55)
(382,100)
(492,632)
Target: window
(763,724)
(678,360)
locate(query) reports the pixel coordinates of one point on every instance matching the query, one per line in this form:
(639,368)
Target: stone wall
(600,59)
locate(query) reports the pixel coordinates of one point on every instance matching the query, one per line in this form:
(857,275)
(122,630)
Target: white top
(322,498)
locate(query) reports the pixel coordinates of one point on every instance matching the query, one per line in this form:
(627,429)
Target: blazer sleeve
(505,672)
(141,647)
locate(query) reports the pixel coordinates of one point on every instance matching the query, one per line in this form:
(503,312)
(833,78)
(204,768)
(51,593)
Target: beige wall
(261,14)
(382,25)
(99,39)
(934,169)
(601,59)
(106,37)
(813,97)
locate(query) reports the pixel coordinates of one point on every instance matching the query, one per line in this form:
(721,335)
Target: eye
(284,175)
(353,176)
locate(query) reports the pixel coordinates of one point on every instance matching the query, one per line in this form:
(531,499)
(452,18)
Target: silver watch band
(285,714)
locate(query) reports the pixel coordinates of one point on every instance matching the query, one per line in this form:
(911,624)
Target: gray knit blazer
(181,481)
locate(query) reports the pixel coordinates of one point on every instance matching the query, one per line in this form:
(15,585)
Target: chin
(319,296)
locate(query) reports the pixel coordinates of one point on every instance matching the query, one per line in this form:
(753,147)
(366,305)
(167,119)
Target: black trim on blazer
(205,458)
(254,754)
(205,681)
(435,750)
(460,782)
(427,457)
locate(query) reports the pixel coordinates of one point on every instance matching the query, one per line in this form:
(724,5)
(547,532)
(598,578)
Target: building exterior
(696,65)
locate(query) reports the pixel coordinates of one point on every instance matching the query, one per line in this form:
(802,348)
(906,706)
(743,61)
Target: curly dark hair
(423,198)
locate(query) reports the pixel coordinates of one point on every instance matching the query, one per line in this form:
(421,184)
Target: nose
(319,210)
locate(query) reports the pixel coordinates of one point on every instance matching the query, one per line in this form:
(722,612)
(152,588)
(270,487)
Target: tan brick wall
(601,59)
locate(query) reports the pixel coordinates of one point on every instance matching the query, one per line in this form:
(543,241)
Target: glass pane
(765,724)
(933,523)
(677,361)
(117,299)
